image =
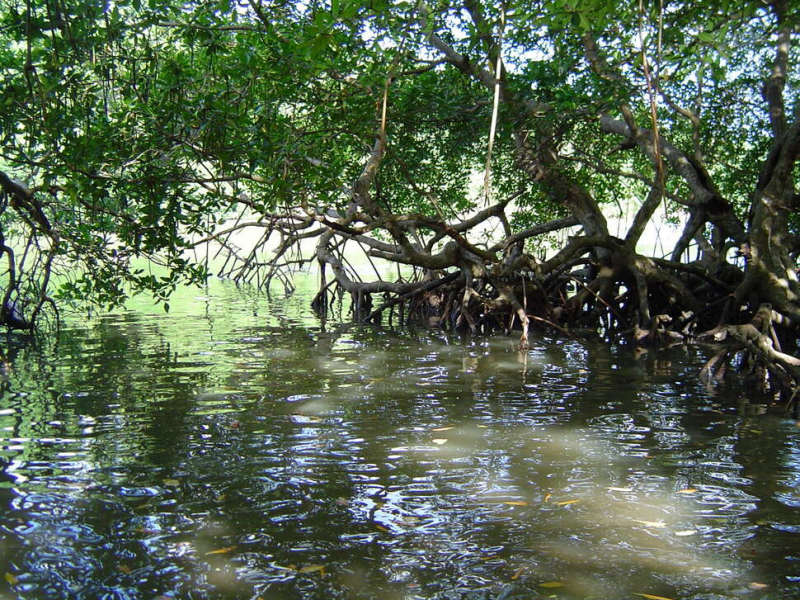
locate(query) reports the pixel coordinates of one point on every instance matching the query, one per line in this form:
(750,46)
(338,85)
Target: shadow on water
(242,449)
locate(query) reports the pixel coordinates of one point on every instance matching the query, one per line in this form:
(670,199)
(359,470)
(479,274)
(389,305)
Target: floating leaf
(483,426)
(222,550)
(11,579)
(124,569)
(518,573)
(656,524)
(552,584)
(442,429)
(687,491)
(381,528)
(312,569)
(439,441)
(755,585)
(547,497)
(566,502)
(620,489)
(171,482)
(516,503)
(652,597)
(685,532)
(282,568)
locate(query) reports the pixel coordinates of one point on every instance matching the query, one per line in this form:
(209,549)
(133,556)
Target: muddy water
(241,448)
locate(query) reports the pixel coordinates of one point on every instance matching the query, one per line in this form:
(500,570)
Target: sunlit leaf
(442,429)
(312,569)
(652,597)
(516,503)
(439,441)
(656,524)
(755,585)
(687,491)
(620,489)
(566,502)
(11,579)
(686,532)
(222,550)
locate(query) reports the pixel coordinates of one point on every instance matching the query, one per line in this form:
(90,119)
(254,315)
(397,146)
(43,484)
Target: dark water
(242,449)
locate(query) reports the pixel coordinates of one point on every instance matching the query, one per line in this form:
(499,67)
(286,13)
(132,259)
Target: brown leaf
(652,597)
(566,502)
(687,491)
(124,569)
(755,585)
(552,584)
(518,573)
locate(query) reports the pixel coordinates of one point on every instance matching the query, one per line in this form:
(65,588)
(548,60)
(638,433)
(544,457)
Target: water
(239,448)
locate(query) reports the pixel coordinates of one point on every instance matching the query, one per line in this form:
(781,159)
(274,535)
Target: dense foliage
(452,138)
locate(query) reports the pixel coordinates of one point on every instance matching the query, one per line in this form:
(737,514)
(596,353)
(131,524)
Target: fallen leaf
(171,482)
(552,584)
(656,524)
(547,497)
(516,503)
(439,441)
(619,489)
(652,597)
(124,569)
(222,550)
(442,429)
(685,532)
(686,491)
(11,579)
(312,569)
(566,502)
(381,528)
(483,426)
(755,585)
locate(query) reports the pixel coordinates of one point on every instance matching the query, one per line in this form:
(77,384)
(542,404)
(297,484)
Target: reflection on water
(242,449)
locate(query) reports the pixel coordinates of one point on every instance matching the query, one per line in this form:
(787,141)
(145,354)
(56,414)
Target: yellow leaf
(171,482)
(439,441)
(619,489)
(657,524)
(686,491)
(516,503)
(552,584)
(312,569)
(518,573)
(11,579)
(381,528)
(222,550)
(442,429)
(652,597)
(483,426)
(566,502)
(547,497)
(755,585)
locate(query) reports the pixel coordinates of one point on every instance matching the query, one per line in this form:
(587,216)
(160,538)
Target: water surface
(242,448)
